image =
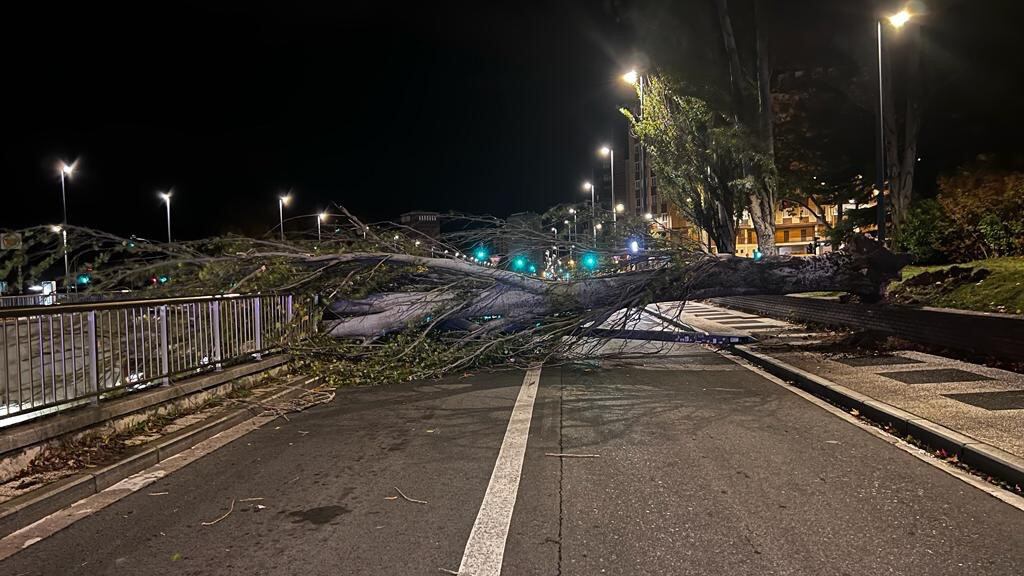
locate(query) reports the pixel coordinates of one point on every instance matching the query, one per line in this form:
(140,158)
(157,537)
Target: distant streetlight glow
(620,208)
(55,229)
(900,18)
(631,77)
(610,154)
(166,197)
(321,217)
(593,205)
(648,216)
(282,201)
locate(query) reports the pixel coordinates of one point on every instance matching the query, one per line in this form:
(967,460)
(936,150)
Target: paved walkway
(981,402)
(686,464)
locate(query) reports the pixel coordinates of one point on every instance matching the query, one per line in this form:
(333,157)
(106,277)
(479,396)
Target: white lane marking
(486,546)
(996,492)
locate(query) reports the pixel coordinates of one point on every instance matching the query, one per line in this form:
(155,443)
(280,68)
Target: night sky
(480,107)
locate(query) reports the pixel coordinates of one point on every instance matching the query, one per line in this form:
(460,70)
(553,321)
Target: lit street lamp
(635,79)
(593,207)
(897,21)
(606,151)
(320,218)
(65,170)
(620,208)
(282,201)
(166,196)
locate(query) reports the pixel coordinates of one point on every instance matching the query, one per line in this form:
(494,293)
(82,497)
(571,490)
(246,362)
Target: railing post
(288,310)
(257,325)
(93,369)
(215,316)
(164,346)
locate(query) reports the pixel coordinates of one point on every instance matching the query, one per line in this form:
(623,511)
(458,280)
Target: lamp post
(897,21)
(606,151)
(166,197)
(593,208)
(320,218)
(282,201)
(635,79)
(65,170)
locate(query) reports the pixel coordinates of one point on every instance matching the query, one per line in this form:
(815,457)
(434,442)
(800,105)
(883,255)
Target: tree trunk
(864,269)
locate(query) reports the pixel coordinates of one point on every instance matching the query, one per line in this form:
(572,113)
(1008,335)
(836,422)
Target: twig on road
(559,455)
(226,514)
(402,494)
(251,499)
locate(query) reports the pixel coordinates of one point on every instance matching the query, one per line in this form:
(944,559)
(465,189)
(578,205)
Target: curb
(974,453)
(29,508)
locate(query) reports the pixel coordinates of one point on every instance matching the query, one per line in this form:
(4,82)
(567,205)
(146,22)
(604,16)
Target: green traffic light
(83,279)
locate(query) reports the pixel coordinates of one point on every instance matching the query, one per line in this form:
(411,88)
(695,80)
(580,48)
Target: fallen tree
(388,293)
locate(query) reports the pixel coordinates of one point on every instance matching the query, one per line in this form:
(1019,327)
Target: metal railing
(58,357)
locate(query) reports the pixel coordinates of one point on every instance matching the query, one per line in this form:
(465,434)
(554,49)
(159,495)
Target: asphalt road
(704,468)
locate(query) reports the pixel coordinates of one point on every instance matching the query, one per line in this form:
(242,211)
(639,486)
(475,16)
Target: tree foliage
(985,203)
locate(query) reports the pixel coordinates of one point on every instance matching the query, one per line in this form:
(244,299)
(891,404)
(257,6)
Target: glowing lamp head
(322,216)
(634,246)
(587,186)
(599,226)
(631,77)
(56,229)
(605,151)
(648,216)
(899,19)
(165,196)
(67,169)
(589,261)
(620,208)
(285,199)
(572,210)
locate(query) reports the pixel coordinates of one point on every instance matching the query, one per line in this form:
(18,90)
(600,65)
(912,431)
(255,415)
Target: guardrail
(59,357)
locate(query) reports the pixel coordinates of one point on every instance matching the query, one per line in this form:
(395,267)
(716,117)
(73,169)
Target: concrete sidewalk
(984,403)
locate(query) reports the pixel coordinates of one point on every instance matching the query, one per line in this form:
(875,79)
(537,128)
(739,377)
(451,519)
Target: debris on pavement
(226,514)
(413,500)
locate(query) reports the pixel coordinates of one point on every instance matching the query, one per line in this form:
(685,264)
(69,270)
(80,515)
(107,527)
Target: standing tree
(699,154)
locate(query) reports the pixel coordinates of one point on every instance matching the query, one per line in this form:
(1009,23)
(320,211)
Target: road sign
(10,241)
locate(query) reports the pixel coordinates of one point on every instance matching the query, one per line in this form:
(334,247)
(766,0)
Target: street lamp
(897,21)
(166,197)
(635,79)
(620,208)
(282,201)
(320,218)
(593,206)
(65,170)
(606,151)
